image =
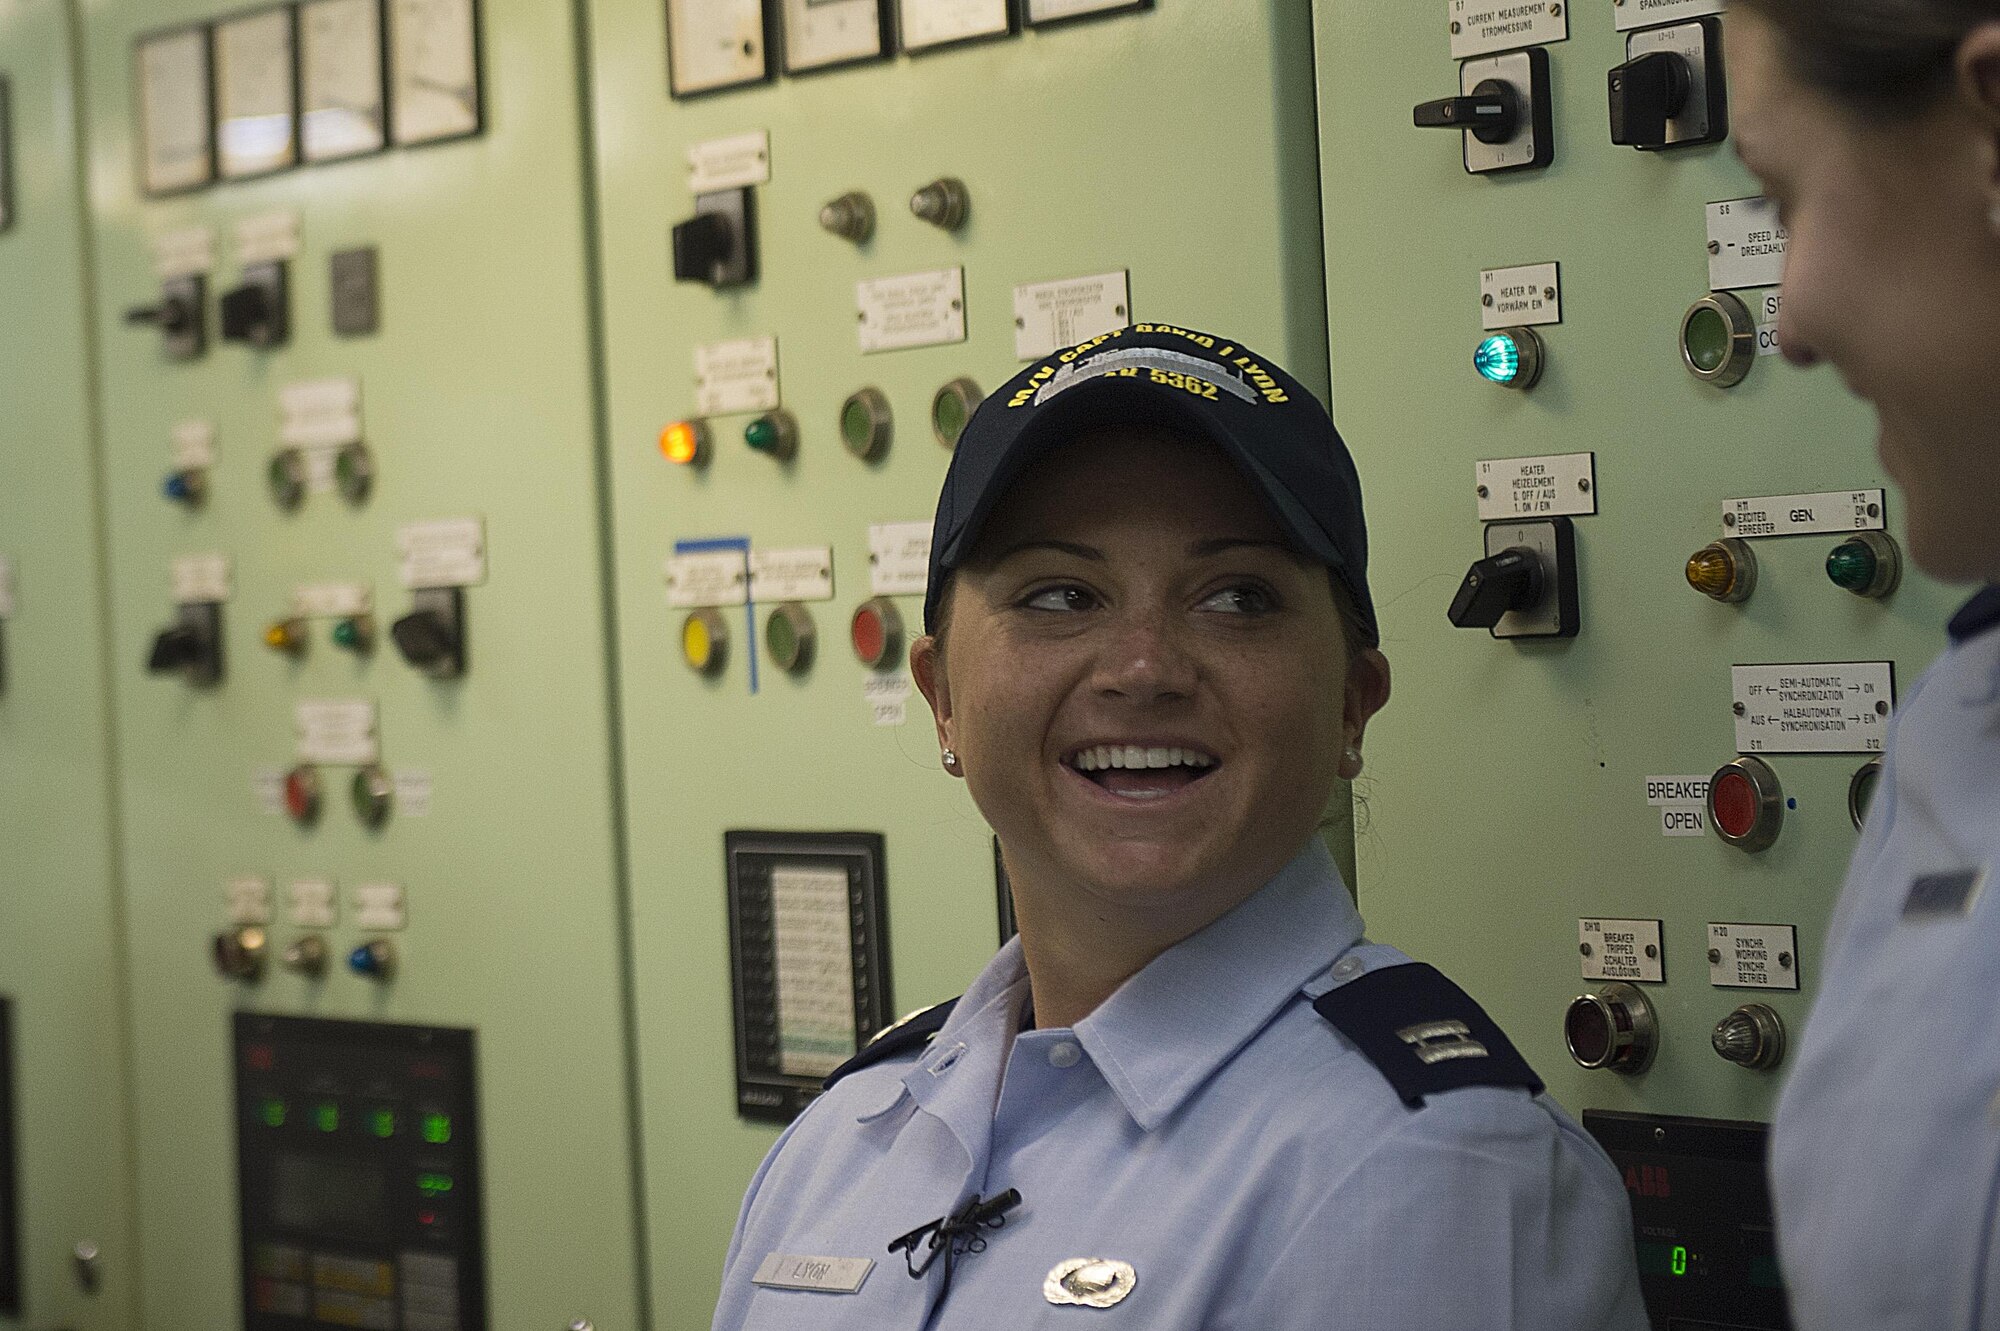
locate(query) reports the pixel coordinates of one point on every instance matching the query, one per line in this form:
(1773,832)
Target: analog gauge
(928,23)
(176,127)
(714,44)
(343,111)
(822,33)
(256,93)
(433,70)
(1055,11)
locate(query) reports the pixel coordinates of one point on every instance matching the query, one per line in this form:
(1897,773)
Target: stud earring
(950,760)
(1353,755)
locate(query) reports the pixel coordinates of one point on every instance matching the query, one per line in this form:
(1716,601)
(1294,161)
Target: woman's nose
(1145,658)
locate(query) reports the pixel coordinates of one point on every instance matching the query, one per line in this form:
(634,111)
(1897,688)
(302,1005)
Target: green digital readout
(273,1113)
(383,1123)
(437,1128)
(326,1117)
(433,1185)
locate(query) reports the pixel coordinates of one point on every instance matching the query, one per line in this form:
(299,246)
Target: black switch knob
(1510,580)
(1645,94)
(1492,112)
(427,640)
(174,649)
(702,247)
(171,315)
(246,314)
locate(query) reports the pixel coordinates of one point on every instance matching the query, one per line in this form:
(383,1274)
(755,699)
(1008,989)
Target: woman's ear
(1978,65)
(927,668)
(1367,693)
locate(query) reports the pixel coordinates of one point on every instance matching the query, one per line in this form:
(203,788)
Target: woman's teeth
(1135,757)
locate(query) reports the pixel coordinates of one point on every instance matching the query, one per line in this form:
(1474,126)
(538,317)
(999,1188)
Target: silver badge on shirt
(1937,896)
(1090,1282)
(823,1275)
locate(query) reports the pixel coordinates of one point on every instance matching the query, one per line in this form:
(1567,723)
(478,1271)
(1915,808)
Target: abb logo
(1648,1181)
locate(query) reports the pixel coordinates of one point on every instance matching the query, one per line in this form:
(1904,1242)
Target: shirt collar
(1976,616)
(1170,1027)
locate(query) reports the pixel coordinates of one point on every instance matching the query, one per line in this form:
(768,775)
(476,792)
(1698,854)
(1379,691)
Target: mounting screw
(1715,247)
(1739,709)
(1784,961)
(1583,948)
(1487,300)
(1485,493)
(1651,951)
(1715,956)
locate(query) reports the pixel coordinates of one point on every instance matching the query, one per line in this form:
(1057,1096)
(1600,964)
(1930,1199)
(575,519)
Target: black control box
(358,1176)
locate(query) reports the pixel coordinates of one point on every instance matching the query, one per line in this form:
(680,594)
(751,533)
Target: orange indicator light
(1725,570)
(685,443)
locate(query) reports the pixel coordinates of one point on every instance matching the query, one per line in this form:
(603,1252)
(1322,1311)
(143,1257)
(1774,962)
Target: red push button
(302,794)
(877,632)
(1746,803)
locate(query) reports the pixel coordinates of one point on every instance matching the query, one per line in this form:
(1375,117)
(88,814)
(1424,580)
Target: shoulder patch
(1424,1033)
(911,1033)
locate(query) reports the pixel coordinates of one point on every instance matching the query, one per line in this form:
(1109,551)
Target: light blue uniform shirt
(1208,1127)
(1885,1158)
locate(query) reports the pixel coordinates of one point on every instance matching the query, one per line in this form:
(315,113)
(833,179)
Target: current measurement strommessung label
(1805,515)
(1480,27)
(1562,484)
(1621,950)
(1753,956)
(1746,246)
(1519,297)
(1838,707)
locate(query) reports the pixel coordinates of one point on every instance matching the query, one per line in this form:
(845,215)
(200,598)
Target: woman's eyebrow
(1062,547)
(1224,544)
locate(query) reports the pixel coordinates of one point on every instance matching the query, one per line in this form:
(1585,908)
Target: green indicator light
(327,1118)
(433,1185)
(1851,566)
(346,634)
(761,434)
(437,1131)
(857,425)
(780,637)
(1707,339)
(273,1113)
(382,1123)
(1679,1261)
(1497,359)
(949,415)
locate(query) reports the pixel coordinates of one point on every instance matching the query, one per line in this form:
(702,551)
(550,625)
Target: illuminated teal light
(1498,360)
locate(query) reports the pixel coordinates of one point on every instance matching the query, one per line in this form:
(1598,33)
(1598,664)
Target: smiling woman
(1190,1091)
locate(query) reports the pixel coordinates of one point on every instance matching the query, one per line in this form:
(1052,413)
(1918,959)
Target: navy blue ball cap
(1179,379)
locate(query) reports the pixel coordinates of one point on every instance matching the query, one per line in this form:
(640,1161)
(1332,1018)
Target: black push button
(1510,580)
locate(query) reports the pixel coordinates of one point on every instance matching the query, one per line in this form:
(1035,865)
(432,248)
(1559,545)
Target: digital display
(337,1197)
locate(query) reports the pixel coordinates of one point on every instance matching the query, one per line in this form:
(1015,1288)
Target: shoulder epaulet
(912,1032)
(1424,1033)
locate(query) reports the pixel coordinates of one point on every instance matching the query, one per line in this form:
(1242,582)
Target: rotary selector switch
(306,956)
(432,636)
(1613,1028)
(239,953)
(1752,1036)
(257,313)
(178,315)
(191,646)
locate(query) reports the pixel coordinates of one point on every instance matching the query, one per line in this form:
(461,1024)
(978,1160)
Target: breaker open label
(1621,950)
(1836,707)
(1753,956)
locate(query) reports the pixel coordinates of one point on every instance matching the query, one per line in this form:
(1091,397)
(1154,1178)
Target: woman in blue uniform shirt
(1190,1096)
(1875,124)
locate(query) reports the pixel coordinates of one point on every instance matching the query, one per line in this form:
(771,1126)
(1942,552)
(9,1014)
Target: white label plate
(736,376)
(176,124)
(6,587)
(267,237)
(886,694)
(706,578)
(1746,246)
(804,574)
(1836,707)
(413,793)
(1561,484)
(450,552)
(194,444)
(267,784)
(379,906)
(1481,27)
(828,1275)
(331,600)
(320,413)
(1618,950)
(1750,956)
(1523,296)
(1049,316)
(1646,13)
(201,578)
(714,44)
(899,558)
(1682,802)
(248,898)
(1684,820)
(1805,515)
(913,310)
(340,732)
(740,159)
(937,22)
(312,903)
(184,253)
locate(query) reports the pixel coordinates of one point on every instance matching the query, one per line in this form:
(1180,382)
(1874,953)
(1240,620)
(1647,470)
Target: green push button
(1707,340)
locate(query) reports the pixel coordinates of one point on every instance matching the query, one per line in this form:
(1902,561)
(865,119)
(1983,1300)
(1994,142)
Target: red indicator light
(876,632)
(1746,803)
(260,1058)
(427,1218)
(1735,805)
(302,794)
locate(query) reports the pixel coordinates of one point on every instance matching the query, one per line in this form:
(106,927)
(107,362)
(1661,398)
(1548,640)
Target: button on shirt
(1208,1127)
(1885,1158)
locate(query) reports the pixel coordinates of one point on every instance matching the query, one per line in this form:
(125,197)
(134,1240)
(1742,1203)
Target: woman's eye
(1060,598)
(1240,601)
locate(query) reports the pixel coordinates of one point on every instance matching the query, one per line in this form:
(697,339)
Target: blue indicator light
(1498,359)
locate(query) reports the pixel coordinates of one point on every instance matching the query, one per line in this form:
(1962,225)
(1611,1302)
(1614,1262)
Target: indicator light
(1613,1029)
(382,1122)
(302,794)
(685,443)
(1718,340)
(1861,791)
(239,953)
(372,791)
(187,486)
(1753,1037)
(790,636)
(705,641)
(1725,570)
(285,474)
(326,1117)
(951,407)
(373,960)
(774,434)
(1867,563)
(354,472)
(865,424)
(877,633)
(1511,358)
(273,1113)
(1746,803)
(286,635)
(306,957)
(356,633)
(944,203)
(437,1128)
(851,216)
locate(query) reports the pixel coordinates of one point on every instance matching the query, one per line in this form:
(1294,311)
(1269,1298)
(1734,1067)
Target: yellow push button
(704,641)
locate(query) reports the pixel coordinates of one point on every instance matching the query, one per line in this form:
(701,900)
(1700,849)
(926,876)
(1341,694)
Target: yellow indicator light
(285,635)
(685,443)
(1724,570)
(704,640)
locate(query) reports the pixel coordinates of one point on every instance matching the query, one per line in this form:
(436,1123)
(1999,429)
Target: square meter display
(358,1176)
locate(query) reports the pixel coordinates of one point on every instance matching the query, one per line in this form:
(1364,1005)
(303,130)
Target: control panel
(358,1176)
